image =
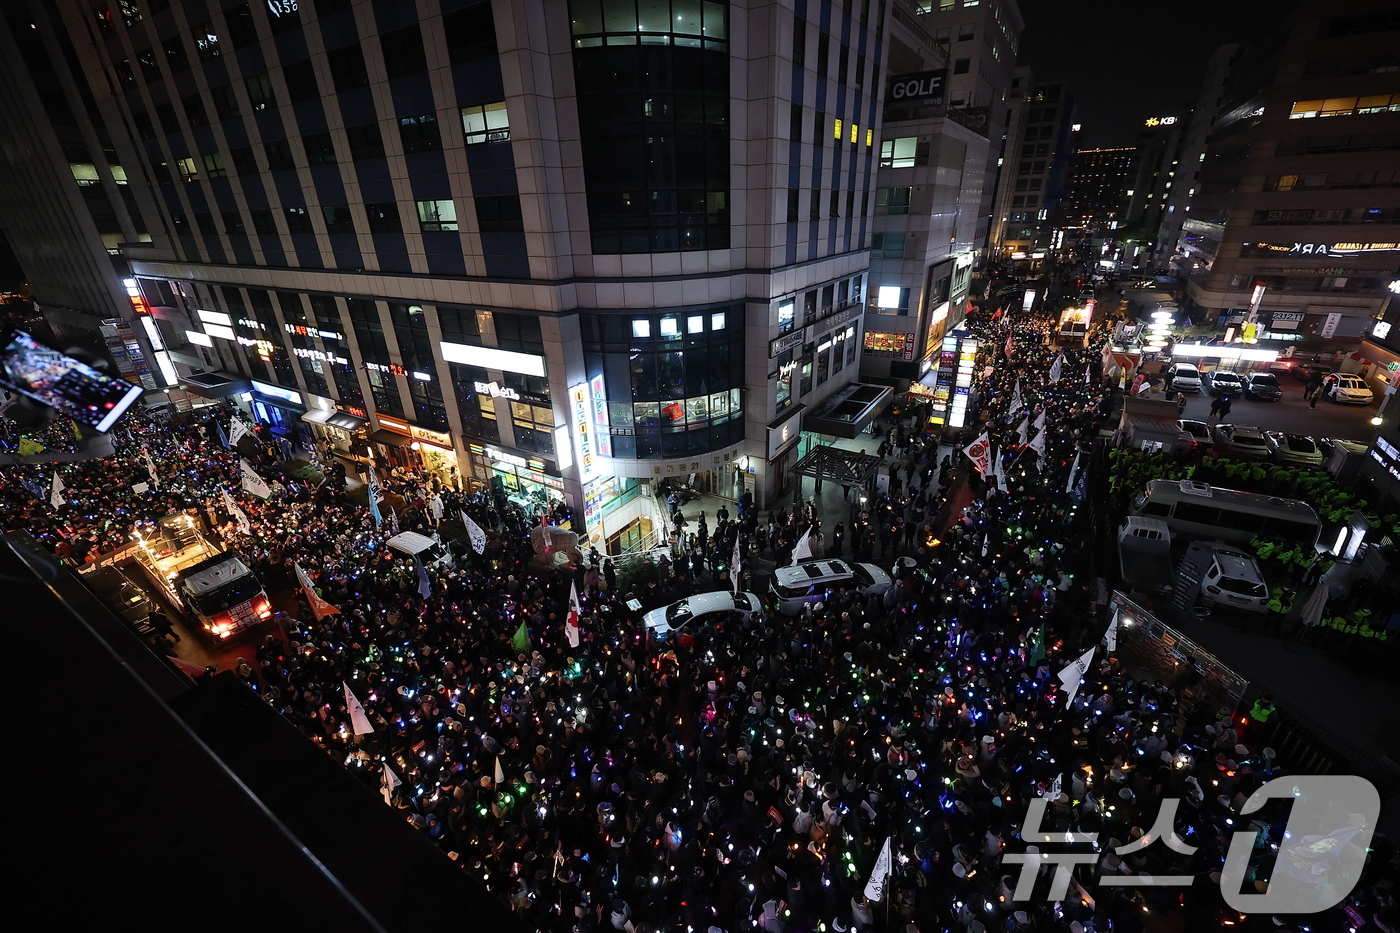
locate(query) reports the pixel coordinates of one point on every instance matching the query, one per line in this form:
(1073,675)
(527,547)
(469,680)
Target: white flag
(1073,471)
(1112,634)
(359,722)
(804,547)
(236,430)
(734,567)
(1055,368)
(571,620)
(151,468)
(1070,676)
(1054,790)
(56,498)
(253,484)
(237,514)
(980,453)
(478,537)
(1038,445)
(500,772)
(1088,378)
(393,520)
(387,782)
(875,887)
(1015,400)
(1040,422)
(1023,432)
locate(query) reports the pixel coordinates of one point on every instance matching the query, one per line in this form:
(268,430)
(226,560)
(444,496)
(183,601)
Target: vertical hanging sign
(602,439)
(583,430)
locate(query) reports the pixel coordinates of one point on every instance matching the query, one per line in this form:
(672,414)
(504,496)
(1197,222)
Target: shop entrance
(634,537)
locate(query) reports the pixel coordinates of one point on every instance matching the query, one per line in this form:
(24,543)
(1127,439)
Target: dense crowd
(746,775)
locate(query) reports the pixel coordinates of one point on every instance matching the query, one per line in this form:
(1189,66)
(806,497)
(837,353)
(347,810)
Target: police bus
(1203,511)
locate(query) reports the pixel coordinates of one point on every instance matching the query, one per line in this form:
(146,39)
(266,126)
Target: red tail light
(1213,590)
(263,610)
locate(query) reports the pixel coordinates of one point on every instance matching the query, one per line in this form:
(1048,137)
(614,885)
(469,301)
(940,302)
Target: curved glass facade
(674,381)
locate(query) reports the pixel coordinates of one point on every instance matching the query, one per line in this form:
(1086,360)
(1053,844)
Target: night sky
(1125,61)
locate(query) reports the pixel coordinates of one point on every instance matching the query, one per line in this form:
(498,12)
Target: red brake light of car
(1213,590)
(263,610)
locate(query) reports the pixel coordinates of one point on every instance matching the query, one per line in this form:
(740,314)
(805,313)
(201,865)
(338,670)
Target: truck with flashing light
(211,585)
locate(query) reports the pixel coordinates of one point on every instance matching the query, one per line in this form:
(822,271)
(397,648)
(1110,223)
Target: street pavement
(1292,414)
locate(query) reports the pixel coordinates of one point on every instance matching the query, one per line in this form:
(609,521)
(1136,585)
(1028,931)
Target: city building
(932,183)
(980,40)
(569,250)
(1168,254)
(1095,189)
(1292,220)
(69,204)
(1039,145)
(1157,156)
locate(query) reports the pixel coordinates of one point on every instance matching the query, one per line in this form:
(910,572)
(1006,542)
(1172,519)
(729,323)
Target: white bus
(1203,511)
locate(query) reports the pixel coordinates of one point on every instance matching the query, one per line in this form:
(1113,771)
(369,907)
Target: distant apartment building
(1094,191)
(1040,143)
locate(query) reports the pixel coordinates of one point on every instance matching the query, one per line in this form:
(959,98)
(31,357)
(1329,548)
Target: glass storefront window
(673,416)
(646,414)
(717,321)
(719,405)
(697,411)
(670,327)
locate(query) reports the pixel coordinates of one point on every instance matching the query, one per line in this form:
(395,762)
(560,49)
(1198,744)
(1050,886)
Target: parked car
(1233,579)
(1303,372)
(1293,449)
(815,581)
(119,593)
(702,608)
(1241,441)
(1183,377)
(1226,382)
(1346,389)
(1329,445)
(1199,433)
(1263,387)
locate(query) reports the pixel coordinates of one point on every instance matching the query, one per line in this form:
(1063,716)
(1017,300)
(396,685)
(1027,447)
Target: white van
(429,550)
(814,581)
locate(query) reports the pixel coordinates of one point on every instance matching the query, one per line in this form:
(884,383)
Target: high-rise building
(1298,191)
(1193,148)
(1156,158)
(980,40)
(1039,146)
(1094,191)
(567,249)
(932,183)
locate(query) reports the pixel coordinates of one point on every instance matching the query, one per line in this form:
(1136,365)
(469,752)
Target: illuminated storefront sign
(435,438)
(534,467)
(1333,249)
(583,431)
(495,391)
(271,391)
(879,343)
(785,342)
(1159,121)
(602,437)
(397,425)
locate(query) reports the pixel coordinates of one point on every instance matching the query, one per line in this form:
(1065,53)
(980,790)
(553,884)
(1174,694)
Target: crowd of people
(747,775)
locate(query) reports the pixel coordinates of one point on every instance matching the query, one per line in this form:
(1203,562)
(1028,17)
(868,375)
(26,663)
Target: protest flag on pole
(571,631)
(474,532)
(319,607)
(1070,676)
(875,887)
(359,722)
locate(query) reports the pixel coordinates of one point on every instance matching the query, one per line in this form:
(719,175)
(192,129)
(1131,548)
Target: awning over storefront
(336,419)
(215,384)
(849,411)
(389,437)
